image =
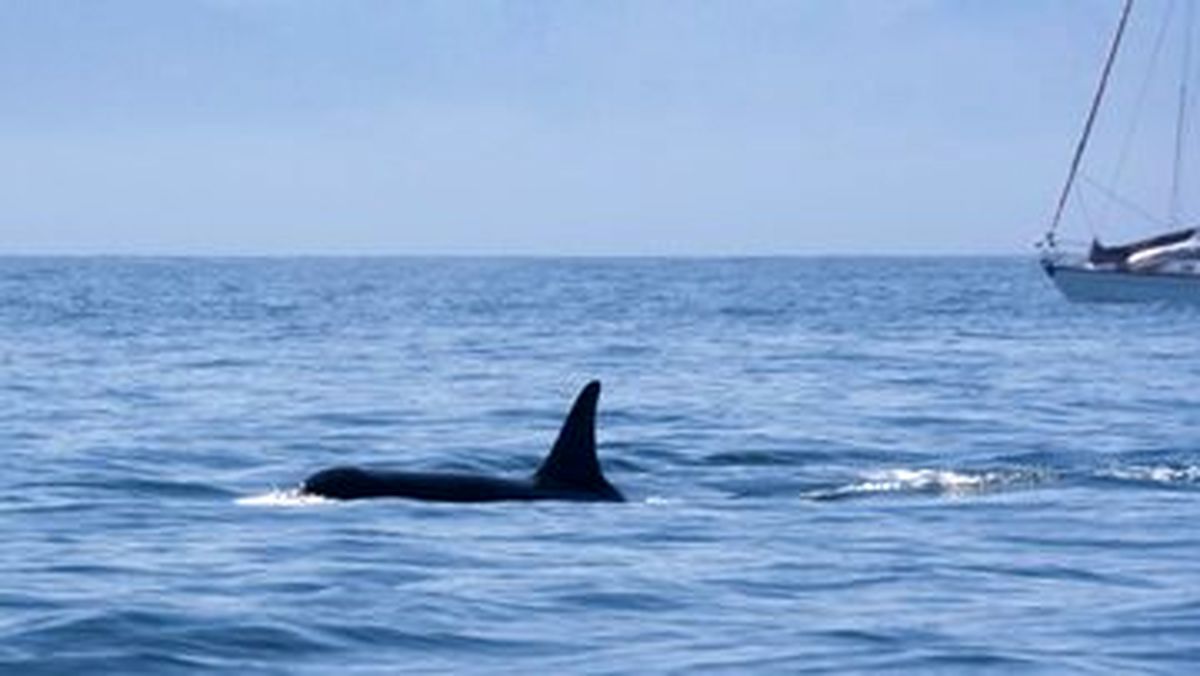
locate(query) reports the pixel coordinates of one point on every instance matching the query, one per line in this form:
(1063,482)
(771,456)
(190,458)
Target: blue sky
(709,127)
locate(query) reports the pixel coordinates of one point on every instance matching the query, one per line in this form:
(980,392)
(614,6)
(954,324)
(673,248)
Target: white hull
(1090,285)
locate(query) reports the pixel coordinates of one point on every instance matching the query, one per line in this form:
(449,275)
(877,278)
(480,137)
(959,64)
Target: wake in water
(930,481)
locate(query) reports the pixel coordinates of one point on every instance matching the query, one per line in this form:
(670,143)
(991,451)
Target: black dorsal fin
(572,462)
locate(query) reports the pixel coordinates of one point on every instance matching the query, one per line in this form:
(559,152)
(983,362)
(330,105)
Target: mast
(1081,146)
(1182,114)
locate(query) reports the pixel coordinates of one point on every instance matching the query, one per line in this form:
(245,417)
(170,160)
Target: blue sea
(832,464)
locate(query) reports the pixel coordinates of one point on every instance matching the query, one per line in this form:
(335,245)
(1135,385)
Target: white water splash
(278,498)
(939,481)
(1161,474)
(918,480)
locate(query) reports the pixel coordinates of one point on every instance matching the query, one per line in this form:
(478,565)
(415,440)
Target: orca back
(570,472)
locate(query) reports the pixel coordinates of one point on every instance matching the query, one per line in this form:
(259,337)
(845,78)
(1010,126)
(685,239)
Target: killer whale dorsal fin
(572,460)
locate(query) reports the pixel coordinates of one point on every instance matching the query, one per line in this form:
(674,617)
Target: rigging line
(1123,202)
(1160,39)
(1181,121)
(1091,120)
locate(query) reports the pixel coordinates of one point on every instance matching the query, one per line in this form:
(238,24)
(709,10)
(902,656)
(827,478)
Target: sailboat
(1158,267)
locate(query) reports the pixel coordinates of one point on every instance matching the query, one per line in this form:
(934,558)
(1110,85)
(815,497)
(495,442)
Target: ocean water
(911,465)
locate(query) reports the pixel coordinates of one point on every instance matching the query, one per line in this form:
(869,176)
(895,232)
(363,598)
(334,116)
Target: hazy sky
(539,126)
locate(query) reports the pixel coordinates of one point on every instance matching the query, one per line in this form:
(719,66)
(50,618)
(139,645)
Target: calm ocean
(832,464)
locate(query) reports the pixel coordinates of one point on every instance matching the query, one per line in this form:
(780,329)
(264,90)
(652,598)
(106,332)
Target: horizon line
(511,255)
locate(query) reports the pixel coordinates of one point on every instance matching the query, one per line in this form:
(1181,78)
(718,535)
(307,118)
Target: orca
(570,472)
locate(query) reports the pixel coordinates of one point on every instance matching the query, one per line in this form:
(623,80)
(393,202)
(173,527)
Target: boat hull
(1089,285)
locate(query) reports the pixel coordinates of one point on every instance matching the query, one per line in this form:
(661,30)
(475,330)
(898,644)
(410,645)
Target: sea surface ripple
(834,464)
